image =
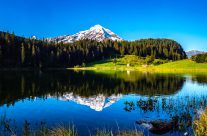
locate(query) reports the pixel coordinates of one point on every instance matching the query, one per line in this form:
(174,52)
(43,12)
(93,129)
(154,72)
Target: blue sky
(182,20)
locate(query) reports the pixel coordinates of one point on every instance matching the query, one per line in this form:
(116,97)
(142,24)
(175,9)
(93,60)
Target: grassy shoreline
(132,63)
(181,66)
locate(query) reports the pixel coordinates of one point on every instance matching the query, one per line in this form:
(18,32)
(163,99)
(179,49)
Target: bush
(159,61)
(149,59)
(77,66)
(200,58)
(83,64)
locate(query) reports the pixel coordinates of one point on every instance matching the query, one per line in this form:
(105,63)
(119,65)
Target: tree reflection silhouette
(16,86)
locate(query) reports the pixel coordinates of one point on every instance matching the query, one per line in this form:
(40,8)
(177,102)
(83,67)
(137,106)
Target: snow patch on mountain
(96,32)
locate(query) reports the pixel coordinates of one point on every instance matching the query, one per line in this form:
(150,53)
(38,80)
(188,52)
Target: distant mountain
(97,103)
(193,52)
(96,32)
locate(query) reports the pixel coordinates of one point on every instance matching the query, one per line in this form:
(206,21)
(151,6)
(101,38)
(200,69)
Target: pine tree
(22,54)
(0,55)
(33,56)
(13,36)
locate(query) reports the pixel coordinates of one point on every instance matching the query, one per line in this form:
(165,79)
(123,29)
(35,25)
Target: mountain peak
(97,27)
(97,32)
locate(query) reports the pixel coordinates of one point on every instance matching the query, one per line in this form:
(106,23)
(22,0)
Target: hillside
(140,64)
(126,62)
(20,52)
(184,66)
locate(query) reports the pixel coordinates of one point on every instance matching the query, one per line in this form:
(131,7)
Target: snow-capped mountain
(97,103)
(193,52)
(96,32)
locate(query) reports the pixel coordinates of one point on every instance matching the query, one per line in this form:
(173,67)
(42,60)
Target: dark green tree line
(25,52)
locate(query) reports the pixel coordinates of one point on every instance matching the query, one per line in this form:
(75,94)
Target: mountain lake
(92,101)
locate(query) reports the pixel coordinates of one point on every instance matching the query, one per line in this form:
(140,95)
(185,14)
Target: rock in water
(158,126)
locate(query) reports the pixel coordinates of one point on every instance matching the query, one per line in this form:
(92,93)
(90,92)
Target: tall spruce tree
(22,54)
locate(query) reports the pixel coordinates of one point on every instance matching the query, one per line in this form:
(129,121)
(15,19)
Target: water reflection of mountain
(16,86)
(97,103)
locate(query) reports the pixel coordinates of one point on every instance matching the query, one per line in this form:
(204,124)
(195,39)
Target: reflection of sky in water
(193,88)
(54,111)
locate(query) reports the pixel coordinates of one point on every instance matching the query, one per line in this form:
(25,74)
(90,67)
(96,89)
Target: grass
(104,133)
(63,131)
(140,64)
(8,128)
(130,133)
(182,66)
(116,64)
(200,124)
(123,133)
(126,62)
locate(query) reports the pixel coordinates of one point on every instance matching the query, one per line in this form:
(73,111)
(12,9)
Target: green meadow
(135,63)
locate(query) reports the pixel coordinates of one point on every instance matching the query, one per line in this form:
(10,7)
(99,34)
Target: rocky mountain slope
(96,32)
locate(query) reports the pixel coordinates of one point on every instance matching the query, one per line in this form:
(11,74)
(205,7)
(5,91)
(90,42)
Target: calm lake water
(91,101)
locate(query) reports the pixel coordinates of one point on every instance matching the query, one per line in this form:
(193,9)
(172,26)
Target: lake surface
(90,101)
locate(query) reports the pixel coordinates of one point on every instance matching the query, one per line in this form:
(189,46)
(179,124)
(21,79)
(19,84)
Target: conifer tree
(22,54)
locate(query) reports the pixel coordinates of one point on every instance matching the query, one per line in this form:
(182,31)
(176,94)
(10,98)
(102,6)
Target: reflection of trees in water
(180,109)
(16,86)
(178,106)
(171,106)
(201,79)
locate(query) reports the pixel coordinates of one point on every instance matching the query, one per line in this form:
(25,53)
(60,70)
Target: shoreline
(182,66)
(140,69)
(150,69)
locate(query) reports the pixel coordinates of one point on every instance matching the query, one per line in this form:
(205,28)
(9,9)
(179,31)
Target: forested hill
(19,52)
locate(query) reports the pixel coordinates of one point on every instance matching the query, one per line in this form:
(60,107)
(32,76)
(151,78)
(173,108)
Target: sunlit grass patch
(135,63)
